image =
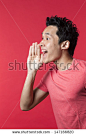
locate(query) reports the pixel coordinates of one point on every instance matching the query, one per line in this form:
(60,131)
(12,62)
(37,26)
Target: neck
(63,63)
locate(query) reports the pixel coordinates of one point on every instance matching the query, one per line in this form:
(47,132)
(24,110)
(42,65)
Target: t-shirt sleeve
(43,83)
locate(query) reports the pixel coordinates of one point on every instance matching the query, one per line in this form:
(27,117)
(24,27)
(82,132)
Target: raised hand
(35,59)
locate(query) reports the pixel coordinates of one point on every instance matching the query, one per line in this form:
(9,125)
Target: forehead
(50,29)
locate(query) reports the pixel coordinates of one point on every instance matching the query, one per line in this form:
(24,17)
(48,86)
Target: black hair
(66,31)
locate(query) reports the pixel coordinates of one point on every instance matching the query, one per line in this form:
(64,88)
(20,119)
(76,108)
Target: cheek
(51,46)
(54,49)
(56,53)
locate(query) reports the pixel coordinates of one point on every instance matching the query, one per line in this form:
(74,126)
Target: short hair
(66,31)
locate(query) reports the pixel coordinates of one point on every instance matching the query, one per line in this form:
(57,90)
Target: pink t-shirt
(67,90)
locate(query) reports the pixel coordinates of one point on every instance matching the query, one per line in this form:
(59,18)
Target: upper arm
(38,96)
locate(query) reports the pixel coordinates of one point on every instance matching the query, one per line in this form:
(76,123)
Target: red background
(21,24)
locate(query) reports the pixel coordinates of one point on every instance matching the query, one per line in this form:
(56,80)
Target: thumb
(42,58)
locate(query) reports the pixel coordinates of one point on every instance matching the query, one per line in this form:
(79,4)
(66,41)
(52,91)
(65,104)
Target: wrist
(33,72)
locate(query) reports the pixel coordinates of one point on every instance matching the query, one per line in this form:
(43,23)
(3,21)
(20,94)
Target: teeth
(44,51)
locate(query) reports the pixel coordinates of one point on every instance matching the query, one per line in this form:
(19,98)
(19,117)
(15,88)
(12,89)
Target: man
(65,83)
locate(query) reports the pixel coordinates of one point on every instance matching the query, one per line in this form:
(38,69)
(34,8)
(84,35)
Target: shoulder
(81,63)
(47,75)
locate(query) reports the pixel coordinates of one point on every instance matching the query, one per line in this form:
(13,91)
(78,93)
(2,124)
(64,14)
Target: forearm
(27,92)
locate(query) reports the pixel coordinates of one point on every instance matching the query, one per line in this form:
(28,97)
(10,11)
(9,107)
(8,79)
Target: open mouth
(44,51)
(45,54)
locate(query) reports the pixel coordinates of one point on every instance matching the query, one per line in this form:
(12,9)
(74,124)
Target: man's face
(50,44)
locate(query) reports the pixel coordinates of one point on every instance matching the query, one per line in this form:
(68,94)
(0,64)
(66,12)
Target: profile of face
(50,44)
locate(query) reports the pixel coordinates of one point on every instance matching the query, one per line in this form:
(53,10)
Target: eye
(47,38)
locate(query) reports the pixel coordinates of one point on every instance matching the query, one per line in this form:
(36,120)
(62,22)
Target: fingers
(42,58)
(34,50)
(38,50)
(30,51)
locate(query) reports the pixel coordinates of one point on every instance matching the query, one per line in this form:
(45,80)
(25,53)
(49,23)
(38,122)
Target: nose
(41,43)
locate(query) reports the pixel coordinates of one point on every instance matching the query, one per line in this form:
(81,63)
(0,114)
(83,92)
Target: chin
(47,61)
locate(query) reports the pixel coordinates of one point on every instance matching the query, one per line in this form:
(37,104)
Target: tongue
(44,54)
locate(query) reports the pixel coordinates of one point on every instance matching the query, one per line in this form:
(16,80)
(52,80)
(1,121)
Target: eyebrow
(47,34)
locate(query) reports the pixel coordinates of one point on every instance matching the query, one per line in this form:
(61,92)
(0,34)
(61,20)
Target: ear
(65,44)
